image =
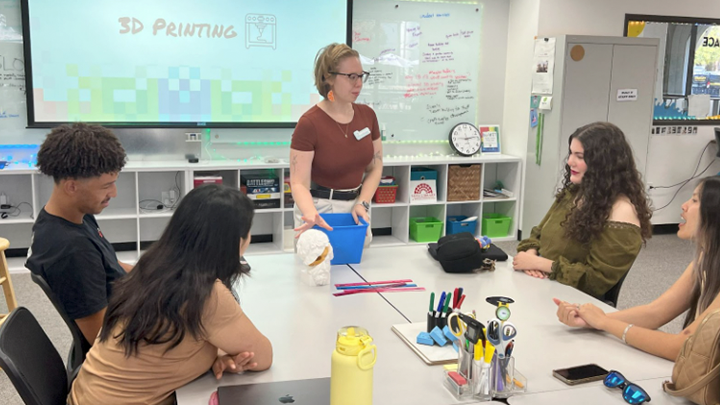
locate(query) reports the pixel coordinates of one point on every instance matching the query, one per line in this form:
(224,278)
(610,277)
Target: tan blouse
(593,268)
(151,376)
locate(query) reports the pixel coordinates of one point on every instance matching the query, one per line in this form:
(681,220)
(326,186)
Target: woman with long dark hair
(174,316)
(696,291)
(600,218)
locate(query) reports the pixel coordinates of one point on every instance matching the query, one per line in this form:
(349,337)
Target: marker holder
(464,360)
(432,321)
(504,379)
(464,369)
(483,382)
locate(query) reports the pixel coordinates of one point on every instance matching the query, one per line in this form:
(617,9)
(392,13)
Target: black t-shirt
(77,262)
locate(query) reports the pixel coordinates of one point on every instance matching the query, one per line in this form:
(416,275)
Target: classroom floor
(659,264)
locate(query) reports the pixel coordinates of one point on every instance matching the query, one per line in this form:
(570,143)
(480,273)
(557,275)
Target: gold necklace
(346,128)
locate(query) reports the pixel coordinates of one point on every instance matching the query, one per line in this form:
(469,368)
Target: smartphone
(580,374)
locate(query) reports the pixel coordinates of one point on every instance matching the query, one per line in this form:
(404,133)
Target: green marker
(447,304)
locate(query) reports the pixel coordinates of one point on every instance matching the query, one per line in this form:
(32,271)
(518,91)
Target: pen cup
(442,320)
(502,377)
(432,322)
(481,382)
(464,360)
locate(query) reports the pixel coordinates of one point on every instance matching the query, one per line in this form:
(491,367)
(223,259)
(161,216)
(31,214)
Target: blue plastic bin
(423,173)
(346,238)
(455,225)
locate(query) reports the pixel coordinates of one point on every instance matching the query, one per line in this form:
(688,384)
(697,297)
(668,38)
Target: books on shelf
(503,193)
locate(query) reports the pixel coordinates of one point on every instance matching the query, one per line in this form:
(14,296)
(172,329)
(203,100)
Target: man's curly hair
(611,173)
(80,151)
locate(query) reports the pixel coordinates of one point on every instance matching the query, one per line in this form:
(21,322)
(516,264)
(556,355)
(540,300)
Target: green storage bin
(425,229)
(496,225)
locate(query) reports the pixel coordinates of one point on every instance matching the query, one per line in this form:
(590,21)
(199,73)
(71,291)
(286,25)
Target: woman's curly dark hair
(610,174)
(80,151)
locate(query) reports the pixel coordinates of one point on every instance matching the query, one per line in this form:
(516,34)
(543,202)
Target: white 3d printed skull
(314,248)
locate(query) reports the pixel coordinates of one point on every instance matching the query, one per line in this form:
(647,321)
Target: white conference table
(543,343)
(597,394)
(302,322)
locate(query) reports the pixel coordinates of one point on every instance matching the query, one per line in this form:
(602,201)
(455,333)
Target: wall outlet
(166,199)
(4,200)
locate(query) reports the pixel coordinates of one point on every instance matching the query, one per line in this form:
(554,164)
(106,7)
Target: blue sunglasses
(632,393)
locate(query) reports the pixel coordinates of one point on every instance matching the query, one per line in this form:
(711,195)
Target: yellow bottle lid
(351,340)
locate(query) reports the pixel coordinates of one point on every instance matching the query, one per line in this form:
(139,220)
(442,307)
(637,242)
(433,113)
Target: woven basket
(464,182)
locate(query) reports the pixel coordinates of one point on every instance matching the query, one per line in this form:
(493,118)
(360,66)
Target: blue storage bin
(347,238)
(423,173)
(455,225)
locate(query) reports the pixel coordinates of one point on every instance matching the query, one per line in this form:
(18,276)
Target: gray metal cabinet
(585,91)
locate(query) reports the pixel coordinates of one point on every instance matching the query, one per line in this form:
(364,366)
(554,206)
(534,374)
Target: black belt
(330,194)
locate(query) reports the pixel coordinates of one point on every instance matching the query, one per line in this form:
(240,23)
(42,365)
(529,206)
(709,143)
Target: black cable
(17,211)
(694,171)
(684,183)
(159,206)
(177,187)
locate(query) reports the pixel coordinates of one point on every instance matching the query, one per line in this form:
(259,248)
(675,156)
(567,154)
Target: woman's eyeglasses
(354,76)
(632,393)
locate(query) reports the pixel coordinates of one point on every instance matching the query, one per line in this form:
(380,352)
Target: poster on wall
(543,66)
(490,135)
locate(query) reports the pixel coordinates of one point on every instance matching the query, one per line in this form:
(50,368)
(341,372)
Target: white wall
(522,29)
(674,157)
(606,17)
(671,159)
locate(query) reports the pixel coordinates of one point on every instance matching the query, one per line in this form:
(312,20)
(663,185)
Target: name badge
(362,133)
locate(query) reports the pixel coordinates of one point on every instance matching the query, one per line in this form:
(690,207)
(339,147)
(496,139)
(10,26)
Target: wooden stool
(5,280)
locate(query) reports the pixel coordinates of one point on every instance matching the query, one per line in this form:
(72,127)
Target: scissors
(500,334)
(457,322)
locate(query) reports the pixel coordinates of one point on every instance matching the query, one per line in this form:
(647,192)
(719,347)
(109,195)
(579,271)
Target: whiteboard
(424,63)
(13,111)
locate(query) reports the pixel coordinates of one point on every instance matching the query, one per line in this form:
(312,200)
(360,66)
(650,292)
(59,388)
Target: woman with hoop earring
(336,151)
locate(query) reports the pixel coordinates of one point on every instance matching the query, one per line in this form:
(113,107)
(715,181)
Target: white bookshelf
(144,181)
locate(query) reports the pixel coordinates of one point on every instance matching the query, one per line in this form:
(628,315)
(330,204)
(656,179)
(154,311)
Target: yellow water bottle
(351,372)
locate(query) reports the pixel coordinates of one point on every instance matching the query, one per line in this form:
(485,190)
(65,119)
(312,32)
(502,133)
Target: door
(634,69)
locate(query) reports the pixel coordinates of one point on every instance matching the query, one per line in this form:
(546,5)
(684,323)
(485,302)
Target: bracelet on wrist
(624,335)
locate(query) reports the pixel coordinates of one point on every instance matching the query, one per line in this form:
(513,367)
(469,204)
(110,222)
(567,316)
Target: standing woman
(335,144)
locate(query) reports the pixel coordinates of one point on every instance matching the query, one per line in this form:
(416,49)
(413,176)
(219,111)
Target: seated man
(68,249)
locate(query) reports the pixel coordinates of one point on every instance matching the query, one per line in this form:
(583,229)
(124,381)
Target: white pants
(325,206)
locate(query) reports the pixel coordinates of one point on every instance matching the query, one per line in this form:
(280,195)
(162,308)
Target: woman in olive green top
(600,219)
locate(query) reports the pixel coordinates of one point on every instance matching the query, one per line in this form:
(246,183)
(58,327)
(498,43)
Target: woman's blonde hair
(326,61)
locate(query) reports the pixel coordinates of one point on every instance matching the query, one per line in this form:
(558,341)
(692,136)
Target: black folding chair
(31,362)
(80,345)
(611,297)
